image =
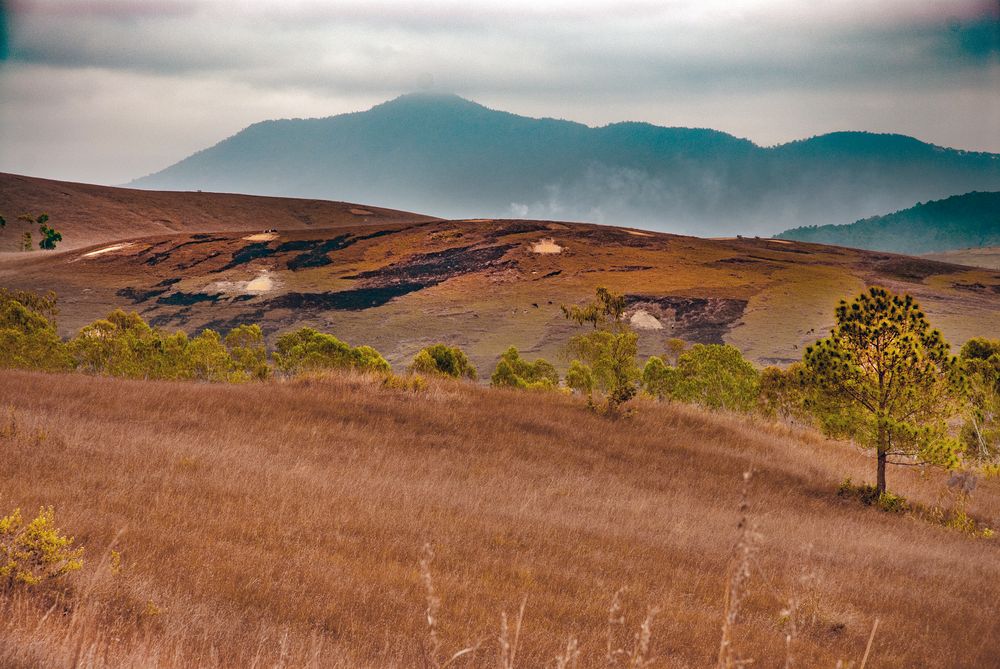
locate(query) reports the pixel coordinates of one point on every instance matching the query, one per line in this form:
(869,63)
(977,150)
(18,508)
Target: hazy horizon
(109,91)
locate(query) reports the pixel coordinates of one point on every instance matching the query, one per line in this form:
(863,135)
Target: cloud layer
(107,90)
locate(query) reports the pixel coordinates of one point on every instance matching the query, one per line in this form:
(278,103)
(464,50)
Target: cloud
(797,66)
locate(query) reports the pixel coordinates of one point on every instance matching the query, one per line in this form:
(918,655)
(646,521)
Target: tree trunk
(880,485)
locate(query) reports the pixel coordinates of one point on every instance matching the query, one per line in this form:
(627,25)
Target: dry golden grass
(283,524)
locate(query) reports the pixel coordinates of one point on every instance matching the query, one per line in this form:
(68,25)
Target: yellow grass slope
(485,285)
(87,214)
(282,525)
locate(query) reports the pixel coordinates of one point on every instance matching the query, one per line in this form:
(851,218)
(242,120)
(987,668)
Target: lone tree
(604,358)
(885,378)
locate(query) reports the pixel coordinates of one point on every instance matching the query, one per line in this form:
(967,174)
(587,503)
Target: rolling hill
(958,222)
(283,524)
(454,158)
(86,214)
(487,284)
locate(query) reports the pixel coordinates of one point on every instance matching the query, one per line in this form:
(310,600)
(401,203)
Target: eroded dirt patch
(699,319)
(546,246)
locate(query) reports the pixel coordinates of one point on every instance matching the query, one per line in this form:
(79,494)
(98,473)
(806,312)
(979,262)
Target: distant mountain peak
(447,155)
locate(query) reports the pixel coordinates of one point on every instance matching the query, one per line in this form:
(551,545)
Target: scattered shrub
(36,552)
(306,350)
(870,496)
(249,353)
(712,375)
(443,360)
(28,337)
(514,371)
(413,383)
(658,378)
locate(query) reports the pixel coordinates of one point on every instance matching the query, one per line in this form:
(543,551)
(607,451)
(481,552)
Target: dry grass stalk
(739,578)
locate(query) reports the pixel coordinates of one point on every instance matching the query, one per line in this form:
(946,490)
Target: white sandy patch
(546,246)
(643,320)
(638,234)
(779,241)
(262,237)
(263,283)
(361,212)
(107,249)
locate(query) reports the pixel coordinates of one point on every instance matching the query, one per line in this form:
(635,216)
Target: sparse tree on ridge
(604,359)
(885,378)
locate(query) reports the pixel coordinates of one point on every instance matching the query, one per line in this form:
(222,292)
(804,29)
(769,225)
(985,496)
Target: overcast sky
(104,91)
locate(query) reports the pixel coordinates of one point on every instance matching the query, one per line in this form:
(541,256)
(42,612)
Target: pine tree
(885,378)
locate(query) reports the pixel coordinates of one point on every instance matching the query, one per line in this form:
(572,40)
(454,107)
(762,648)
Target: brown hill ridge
(87,214)
(489,284)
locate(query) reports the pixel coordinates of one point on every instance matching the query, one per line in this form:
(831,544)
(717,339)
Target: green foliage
(604,359)
(782,392)
(579,378)
(711,375)
(870,496)
(718,377)
(124,345)
(28,337)
(411,383)
(610,359)
(607,308)
(207,358)
(248,351)
(306,350)
(886,379)
(980,435)
(960,221)
(3,223)
(443,360)
(35,552)
(658,378)
(49,238)
(514,371)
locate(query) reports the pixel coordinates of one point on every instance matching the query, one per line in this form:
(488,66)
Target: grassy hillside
(959,222)
(987,256)
(86,214)
(488,284)
(451,157)
(283,524)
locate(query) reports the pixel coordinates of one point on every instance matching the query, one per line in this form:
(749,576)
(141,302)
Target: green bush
(246,347)
(514,371)
(35,552)
(869,495)
(307,350)
(717,377)
(28,337)
(443,360)
(659,378)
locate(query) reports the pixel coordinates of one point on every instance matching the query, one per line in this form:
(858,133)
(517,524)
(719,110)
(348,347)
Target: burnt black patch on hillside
(436,267)
(549,275)
(355,299)
(699,319)
(247,253)
(619,237)
(316,251)
(138,295)
(515,228)
(181,299)
(160,256)
(912,269)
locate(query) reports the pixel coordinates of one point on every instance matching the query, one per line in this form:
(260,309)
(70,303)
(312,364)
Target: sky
(104,91)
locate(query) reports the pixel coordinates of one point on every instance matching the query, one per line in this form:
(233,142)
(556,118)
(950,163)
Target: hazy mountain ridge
(964,221)
(451,157)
